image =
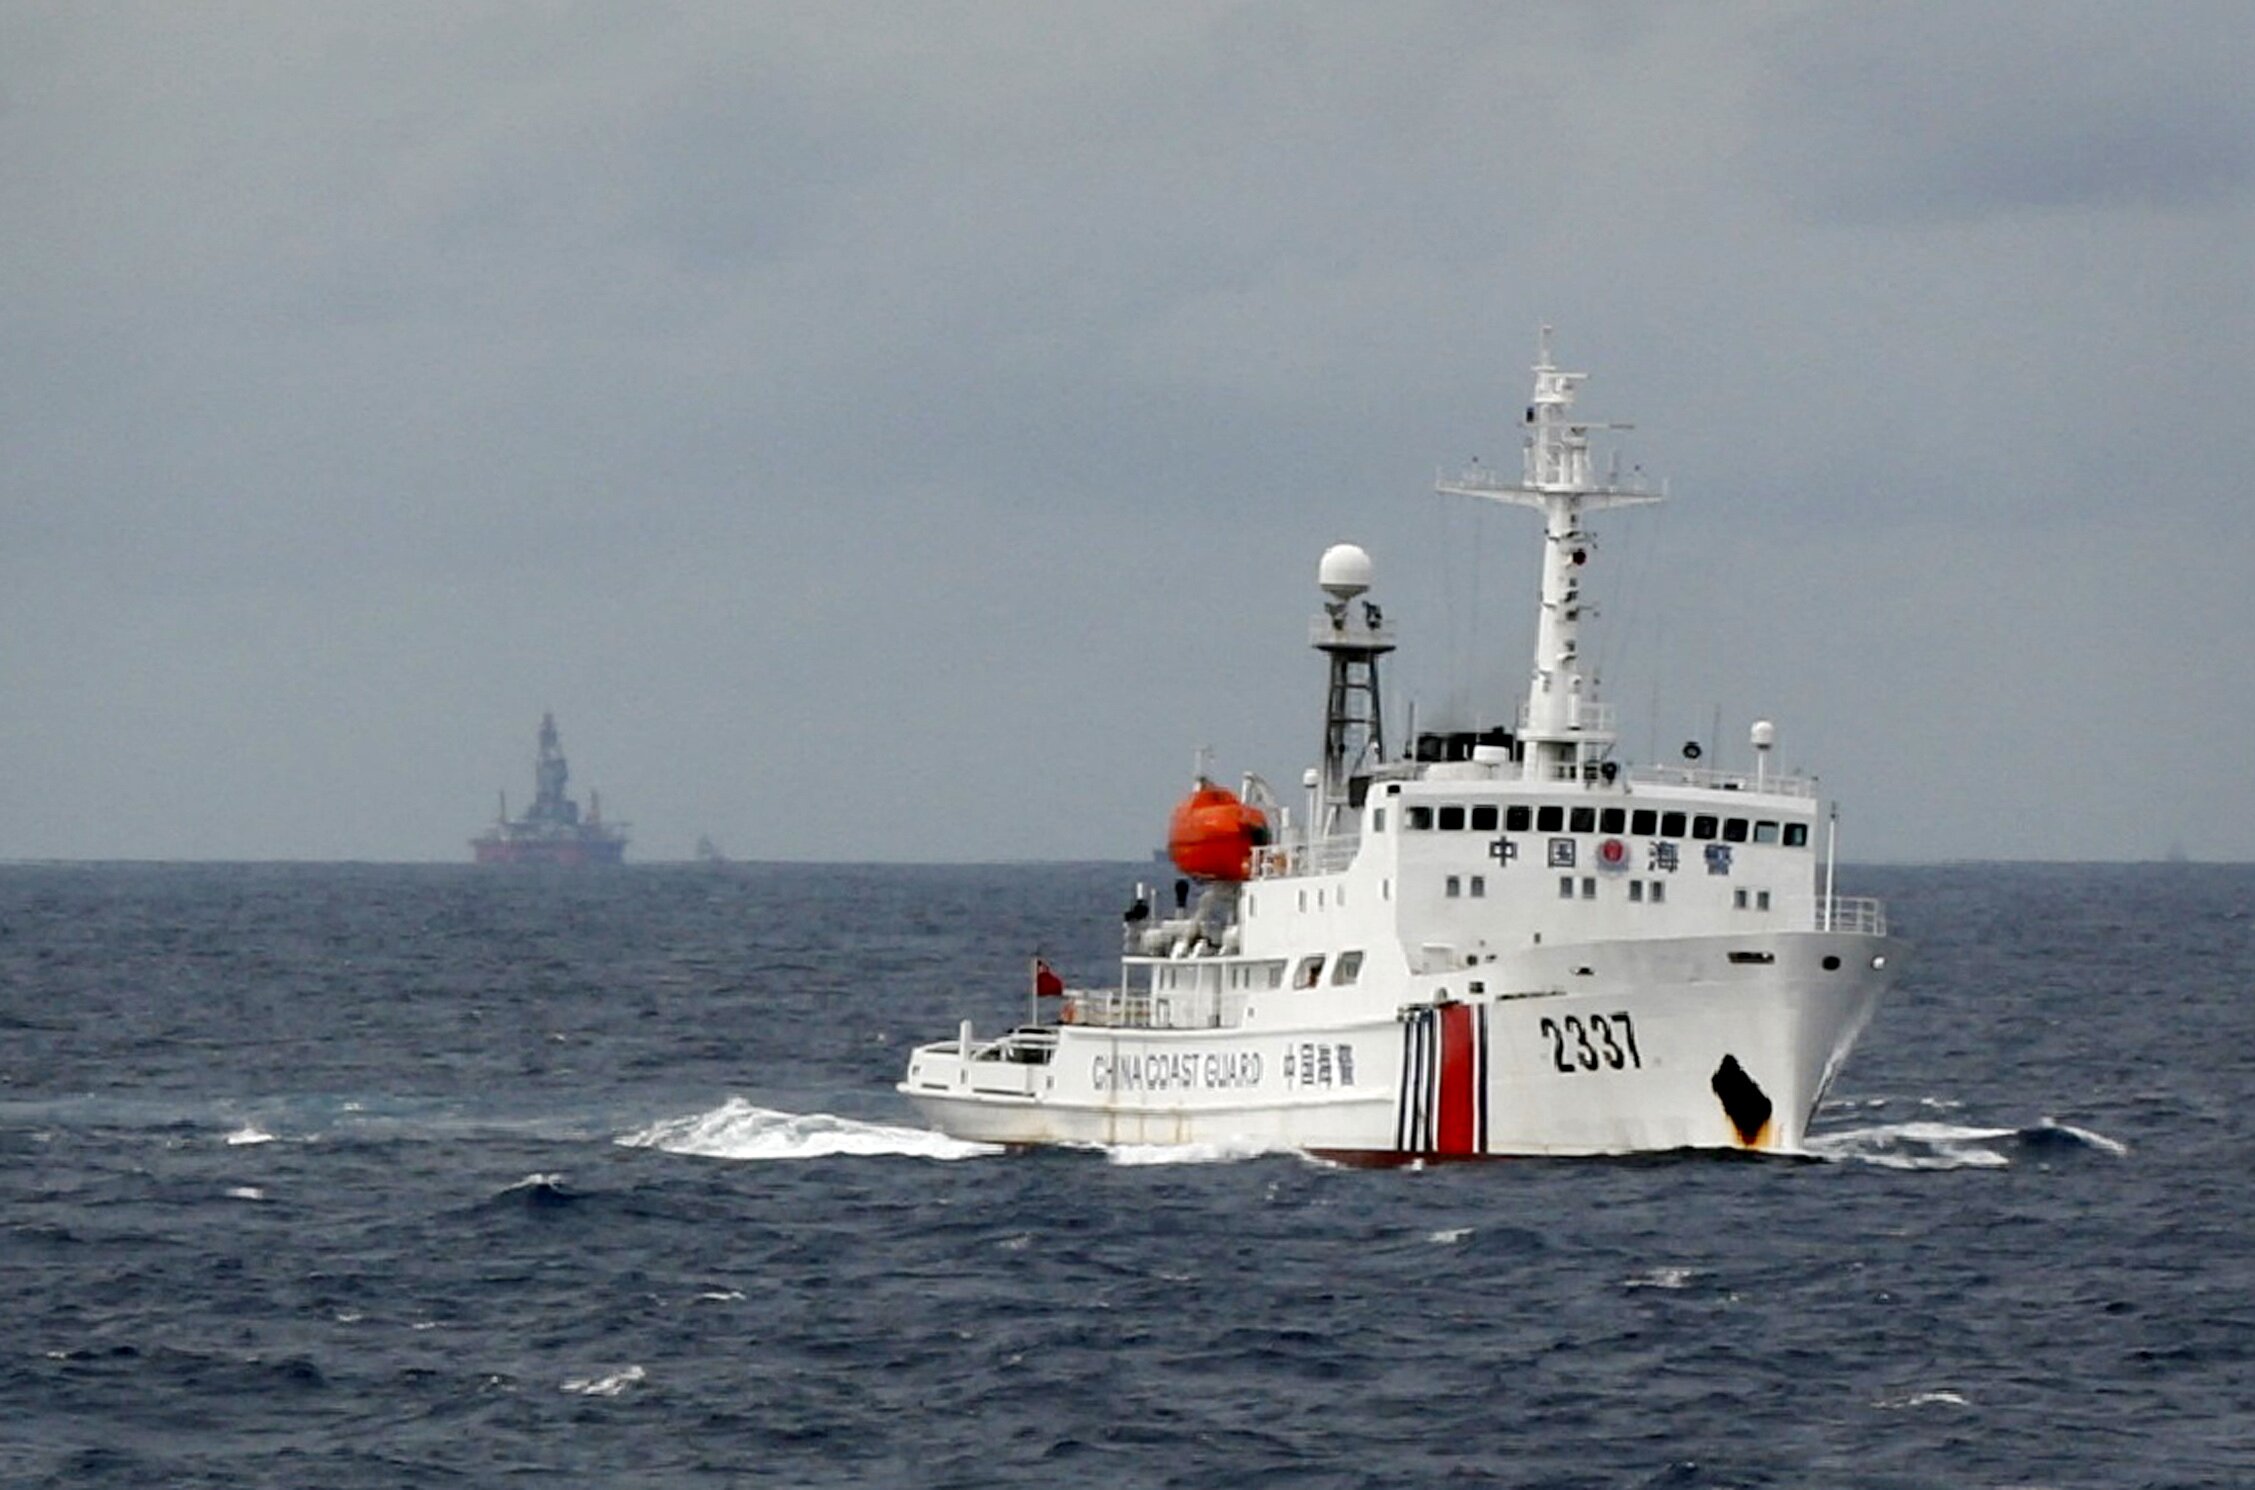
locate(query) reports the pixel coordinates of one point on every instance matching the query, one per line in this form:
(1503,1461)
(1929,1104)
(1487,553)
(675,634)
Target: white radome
(1345,571)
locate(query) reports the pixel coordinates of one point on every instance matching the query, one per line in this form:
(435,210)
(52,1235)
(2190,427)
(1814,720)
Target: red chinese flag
(1046,981)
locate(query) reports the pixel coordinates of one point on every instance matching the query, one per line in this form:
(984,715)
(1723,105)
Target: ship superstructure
(1500,941)
(553,831)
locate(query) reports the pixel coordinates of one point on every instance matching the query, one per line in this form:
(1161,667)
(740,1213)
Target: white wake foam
(738,1129)
(1221,1151)
(1918,1145)
(249,1133)
(1938,1145)
(2096,1140)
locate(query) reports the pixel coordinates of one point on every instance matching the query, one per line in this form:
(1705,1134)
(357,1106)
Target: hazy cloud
(1968,113)
(909,431)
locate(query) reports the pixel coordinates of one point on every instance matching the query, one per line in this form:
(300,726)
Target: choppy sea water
(381,1176)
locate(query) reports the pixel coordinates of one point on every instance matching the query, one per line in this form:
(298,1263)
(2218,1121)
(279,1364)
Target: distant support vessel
(553,832)
(1500,941)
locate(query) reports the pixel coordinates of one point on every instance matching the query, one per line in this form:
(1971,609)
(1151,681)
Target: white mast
(1563,730)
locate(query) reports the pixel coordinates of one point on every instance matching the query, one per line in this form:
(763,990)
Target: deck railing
(1141,1009)
(1583,715)
(1289,860)
(1858,915)
(1775,783)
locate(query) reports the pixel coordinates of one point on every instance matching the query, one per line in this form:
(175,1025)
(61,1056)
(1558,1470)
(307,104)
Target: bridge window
(1420,819)
(1671,825)
(1613,820)
(1483,819)
(1349,968)
(1516,819)
(1644,822)
(1452,820)
(1585,820)
(1734,830)
(1703,826)
(1796,835)
(1550,819)
(1765,832)
(1377,819)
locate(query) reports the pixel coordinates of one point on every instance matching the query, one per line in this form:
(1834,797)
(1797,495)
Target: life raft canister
(1213,833)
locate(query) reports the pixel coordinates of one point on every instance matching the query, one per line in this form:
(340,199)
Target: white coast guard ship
(1498,942)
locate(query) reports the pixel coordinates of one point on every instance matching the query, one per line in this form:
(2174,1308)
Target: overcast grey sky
(908,431)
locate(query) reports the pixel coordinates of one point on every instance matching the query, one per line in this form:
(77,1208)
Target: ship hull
(1696,1043)
(562,853)
(1502,940)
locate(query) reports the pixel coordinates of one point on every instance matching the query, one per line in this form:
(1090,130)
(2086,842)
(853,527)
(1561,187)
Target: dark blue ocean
(425,1176)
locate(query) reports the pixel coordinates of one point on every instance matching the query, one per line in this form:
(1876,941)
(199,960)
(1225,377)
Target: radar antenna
(1565,730)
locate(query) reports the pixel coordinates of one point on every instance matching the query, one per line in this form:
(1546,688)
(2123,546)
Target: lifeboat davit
(1213,834)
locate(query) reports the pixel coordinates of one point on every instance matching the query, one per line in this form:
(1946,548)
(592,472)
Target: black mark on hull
(1746,1104)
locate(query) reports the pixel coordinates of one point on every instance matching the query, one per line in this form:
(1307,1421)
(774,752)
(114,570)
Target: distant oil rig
(553,832)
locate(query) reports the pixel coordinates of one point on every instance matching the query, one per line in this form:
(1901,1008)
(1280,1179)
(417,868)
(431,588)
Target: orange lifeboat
(1213,833)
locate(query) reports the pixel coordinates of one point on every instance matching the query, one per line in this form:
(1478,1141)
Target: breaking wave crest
(738,1129)
(1932,1145)
(605,1386)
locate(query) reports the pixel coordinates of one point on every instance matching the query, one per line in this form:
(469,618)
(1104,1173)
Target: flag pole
(1033,989)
